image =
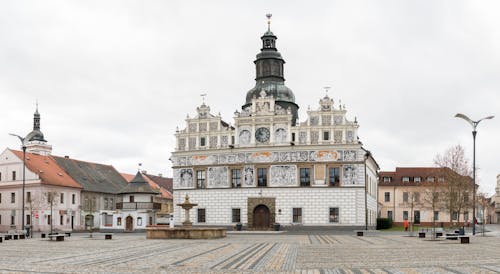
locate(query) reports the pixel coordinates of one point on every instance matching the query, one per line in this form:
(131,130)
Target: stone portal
(261,213)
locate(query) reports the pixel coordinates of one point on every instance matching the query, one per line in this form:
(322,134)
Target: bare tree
(51,198)
(412,202)
(433,200)
(457,183)
(484,202)
(35,204)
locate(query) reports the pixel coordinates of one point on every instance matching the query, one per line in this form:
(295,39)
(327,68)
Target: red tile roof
(164,182)
(47,169)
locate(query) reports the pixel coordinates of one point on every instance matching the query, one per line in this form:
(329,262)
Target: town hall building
(268,167)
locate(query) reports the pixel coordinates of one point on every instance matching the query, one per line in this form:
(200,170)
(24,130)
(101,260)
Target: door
(89,221)
(129,223)
(416,216)
(261,217)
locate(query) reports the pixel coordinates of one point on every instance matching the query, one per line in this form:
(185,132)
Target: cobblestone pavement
(247,253)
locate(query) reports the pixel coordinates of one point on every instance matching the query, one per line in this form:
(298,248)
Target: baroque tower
(269,66)
(35,141)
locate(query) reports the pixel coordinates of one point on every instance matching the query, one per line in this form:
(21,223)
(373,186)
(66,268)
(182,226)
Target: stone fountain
(187,207)
(186,231)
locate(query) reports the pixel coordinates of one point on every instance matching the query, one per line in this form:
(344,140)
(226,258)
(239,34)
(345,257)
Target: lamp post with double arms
(474,132)
(24,175)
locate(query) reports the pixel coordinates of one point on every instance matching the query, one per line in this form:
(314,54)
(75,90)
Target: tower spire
(36,118)
(269,15)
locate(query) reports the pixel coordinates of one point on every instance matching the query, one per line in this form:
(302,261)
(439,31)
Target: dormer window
(430,179)
(387,179)
(406,179)
(417,179)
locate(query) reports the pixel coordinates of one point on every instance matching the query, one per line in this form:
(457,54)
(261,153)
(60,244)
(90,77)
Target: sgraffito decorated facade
(267,167)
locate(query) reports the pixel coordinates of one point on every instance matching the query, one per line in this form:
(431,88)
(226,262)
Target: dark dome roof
(278,90)
(35,135)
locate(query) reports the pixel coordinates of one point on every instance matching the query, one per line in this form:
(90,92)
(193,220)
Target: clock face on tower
(262,135)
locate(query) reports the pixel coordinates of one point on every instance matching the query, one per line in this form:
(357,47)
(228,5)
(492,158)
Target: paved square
(251,253)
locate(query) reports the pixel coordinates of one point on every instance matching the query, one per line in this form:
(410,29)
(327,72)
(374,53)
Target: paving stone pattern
(247,253)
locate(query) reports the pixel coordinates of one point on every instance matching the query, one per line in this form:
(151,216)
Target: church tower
(269,66)
(35,141)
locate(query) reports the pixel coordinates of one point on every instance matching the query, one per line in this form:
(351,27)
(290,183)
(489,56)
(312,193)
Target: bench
(421,234)
(454,236)
(464,239)
(58,237)
(68,234)
(108,236)
(451,236)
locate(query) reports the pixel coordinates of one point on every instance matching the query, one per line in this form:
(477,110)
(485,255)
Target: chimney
(160,175)
(66,157)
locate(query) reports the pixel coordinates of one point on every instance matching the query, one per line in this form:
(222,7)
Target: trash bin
(461,231)
(239,226)
(277,227)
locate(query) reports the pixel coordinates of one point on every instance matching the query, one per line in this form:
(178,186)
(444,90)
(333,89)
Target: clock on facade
(262,135)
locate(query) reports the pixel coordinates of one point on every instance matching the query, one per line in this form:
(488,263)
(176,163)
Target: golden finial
(269,21)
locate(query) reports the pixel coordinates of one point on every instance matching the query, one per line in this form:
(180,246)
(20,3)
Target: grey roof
(92,176)
(138,185)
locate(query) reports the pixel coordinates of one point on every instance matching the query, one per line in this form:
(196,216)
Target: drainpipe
(366,193)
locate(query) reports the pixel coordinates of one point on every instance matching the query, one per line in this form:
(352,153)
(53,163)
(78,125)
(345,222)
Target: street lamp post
(24,175)
(474,132)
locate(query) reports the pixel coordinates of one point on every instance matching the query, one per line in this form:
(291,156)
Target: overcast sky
(114,78)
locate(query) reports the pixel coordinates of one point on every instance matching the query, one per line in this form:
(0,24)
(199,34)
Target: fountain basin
(165,232)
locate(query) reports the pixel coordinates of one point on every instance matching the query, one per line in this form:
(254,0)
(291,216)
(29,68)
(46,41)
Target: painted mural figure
(248,176)
(186,178)
(349,175)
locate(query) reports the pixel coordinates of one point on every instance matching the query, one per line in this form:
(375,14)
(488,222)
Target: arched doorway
(129,223)
(261,217)
(89,221)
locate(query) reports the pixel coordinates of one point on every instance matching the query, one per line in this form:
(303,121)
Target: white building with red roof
(43,176)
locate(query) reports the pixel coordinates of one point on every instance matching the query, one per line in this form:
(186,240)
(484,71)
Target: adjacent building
(101,186)
(163,186)
(138,207)
(52,197)
(268,167)
(66,194)
(421,194)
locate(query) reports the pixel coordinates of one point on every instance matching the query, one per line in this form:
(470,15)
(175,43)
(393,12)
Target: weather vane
(269,15)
